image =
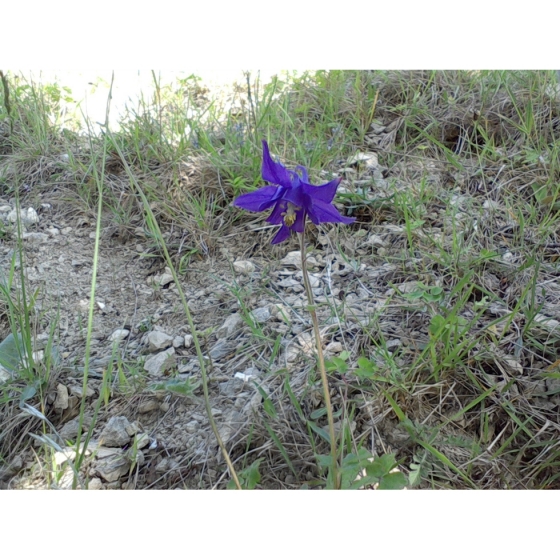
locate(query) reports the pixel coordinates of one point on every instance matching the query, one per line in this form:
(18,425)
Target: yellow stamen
(290,214)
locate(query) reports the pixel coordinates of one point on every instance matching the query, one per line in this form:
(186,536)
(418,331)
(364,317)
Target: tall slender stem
(321,360)
(151,219)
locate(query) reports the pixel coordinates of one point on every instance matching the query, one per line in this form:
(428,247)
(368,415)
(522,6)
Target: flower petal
(258,200)
(296,196)
(303,172)
(282,235)
(272,171)
(324,212)
(299,224)
(295,179)
(324,192)
(276,216)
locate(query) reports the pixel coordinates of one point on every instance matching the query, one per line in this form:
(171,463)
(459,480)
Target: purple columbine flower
(292,197)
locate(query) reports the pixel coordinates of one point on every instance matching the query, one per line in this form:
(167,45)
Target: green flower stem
(321,360)
(151,219)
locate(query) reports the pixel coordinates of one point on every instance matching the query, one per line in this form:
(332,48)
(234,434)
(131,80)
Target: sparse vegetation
(438,308)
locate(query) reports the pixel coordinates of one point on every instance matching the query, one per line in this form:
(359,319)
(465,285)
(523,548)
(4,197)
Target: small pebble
(95,484)
(243,267)
(118,335)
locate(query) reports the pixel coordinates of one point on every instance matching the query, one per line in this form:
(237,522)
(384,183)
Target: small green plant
(425,293)
(360,470)
(338,364)
(185,388)
(248,477)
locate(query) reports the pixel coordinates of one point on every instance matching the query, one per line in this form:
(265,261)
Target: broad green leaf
(336,364)
(249,477)
(437,324)
(361,482)
(252,474)
(381,466)
(10,351)
(352,465)
(361,458)
(366,368)
(316,414)
(393,481)
(415,475)
(323,460)
(320,431)
(29,392)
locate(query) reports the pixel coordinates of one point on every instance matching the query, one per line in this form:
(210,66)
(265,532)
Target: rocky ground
(141,339)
